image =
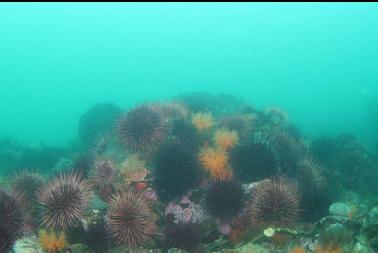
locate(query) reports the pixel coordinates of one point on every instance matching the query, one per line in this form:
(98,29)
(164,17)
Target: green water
(318,62)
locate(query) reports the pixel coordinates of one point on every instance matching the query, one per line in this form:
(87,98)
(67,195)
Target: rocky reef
(197,173)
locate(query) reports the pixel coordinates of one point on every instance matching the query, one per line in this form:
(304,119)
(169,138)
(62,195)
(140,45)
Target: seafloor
(197,173)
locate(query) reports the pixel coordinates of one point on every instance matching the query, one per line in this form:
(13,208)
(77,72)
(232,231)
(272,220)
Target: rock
(97,203)
(174,250)
(218,245)
(124,249)
(373,216)
(250,247)
(79,248)
(243,248)
(361,248)
(371,231)
(329,220)
(340,209)
(63,164)
(374,244)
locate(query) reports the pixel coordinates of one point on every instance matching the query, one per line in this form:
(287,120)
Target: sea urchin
(274,203)
(141,127)
(104,172)
(176,170)
(224,199)
(63,200)
(97,236)
(11,221)
(131,218)
(253,161)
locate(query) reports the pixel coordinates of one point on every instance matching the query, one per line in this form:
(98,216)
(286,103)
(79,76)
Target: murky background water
(316,61)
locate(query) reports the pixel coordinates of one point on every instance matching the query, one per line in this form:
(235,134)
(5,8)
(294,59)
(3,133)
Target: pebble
(340,209)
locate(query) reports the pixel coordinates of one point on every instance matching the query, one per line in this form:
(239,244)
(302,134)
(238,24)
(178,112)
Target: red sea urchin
(131,218)
(141,127)
(274,203)
(63,200)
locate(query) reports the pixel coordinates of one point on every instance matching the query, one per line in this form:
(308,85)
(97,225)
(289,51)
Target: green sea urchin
(131,218)
(140,128)
(63,200)
(274,203)
(104,172)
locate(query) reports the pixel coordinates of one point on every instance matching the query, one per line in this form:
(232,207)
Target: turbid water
(316,61)
(188,127)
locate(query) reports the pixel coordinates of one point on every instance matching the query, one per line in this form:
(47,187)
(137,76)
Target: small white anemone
(27,245)
(269,232)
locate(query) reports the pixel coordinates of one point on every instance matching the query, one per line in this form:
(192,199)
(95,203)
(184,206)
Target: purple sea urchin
(140,128)
(289,152)
(12,221)
(131,218)
(97,236)
(313,185)
(254,161)
(310,175)
(63,200)
(224,199)
(27,182)
(176,170)
(185,236)
(239,123)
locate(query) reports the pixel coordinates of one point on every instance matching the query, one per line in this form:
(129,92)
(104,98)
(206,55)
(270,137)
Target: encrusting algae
(328,250)
(297,249)
(133,169)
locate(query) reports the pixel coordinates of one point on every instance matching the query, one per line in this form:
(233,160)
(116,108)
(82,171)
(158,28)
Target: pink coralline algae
(185,200)
(187,214)
(150,194)
(224,228)
(185,211)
